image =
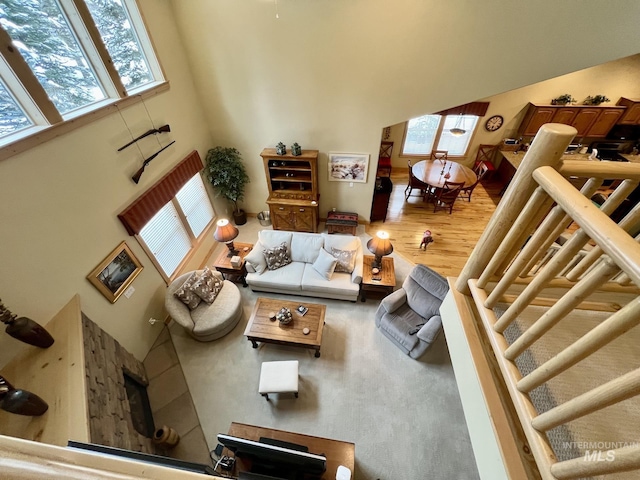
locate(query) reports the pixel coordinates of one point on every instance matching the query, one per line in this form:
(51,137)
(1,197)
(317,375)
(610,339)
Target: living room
(338,73)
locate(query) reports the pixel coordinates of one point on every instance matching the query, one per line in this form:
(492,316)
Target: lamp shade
(380,245)
(225,232)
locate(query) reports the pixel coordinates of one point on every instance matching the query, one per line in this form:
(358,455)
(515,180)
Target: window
(174,230)
(66,45)
(424,132)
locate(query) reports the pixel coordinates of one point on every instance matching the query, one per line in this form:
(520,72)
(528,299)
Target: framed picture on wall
(116,272)
(348,167)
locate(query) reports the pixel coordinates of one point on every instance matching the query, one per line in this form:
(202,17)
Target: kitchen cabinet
(293,189)
(631,115)
(589,120)
(605,122)
(535,117)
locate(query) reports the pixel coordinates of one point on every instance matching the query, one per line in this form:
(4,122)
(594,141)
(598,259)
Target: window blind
(195,205)
(167,238)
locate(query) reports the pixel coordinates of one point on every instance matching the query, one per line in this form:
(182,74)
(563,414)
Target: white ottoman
(278,377)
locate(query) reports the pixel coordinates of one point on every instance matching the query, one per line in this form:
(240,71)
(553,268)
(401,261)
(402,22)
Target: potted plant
(564,99)
(228,176)
(595,100)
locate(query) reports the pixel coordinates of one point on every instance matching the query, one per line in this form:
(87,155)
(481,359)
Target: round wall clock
(494,123)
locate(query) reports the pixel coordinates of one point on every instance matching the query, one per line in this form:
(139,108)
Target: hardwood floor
(454,235)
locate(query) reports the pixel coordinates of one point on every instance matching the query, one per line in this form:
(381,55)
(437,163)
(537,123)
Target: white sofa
(300,277)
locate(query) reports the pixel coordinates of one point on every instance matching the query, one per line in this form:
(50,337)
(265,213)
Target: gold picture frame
(116,272)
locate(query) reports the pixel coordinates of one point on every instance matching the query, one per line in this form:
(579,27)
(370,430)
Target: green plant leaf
(227,174)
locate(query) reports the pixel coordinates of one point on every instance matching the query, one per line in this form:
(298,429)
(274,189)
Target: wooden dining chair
(441,155)
(413,183)
(481,171)
(384,159)
(486,154)
(446,196)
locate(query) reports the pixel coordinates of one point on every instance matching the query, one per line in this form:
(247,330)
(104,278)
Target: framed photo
(348,167)
(116,272)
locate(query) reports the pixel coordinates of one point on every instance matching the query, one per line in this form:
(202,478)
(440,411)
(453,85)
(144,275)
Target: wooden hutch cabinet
(293,189)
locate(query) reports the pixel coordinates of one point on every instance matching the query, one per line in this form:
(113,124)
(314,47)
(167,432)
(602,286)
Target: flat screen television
(275,460)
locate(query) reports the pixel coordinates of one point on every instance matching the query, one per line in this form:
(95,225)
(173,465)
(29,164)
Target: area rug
(404,416)
(610,428)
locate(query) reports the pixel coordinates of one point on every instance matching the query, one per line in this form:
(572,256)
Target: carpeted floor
(404,416)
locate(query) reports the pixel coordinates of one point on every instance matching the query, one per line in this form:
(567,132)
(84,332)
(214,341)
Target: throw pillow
(207,286)
(346,259)
(325,264)
(186,295)
(255,258)
(277,257)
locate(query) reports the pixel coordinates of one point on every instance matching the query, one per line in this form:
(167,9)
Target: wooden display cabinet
(632,114)
(293,189)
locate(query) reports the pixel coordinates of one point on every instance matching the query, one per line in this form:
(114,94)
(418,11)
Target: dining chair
(413,183)
(441,155)
(481,171)
(446,196)
(384,159)
(486,154)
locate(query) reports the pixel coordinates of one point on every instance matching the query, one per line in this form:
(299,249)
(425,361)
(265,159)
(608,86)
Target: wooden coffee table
(261,329)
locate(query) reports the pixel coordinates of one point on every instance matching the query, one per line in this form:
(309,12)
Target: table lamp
(379,246)
(225,233)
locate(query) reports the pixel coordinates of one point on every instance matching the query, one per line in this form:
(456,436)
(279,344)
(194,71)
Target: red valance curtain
(138,214)
(473,108)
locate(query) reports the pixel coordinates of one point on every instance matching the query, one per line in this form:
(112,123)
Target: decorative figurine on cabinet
(296,150)
(281,148)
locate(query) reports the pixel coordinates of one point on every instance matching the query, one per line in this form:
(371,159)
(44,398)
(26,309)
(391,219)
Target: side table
(228,271)
(387,276)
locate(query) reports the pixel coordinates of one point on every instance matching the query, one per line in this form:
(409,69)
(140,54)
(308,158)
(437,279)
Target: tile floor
(171,402)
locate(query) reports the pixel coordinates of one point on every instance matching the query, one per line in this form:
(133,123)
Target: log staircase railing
(538,206)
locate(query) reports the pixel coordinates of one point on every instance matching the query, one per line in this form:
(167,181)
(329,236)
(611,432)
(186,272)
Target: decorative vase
(284,316)
(296,150)
(281,149)
(25,329)
(20,401)
(166,437)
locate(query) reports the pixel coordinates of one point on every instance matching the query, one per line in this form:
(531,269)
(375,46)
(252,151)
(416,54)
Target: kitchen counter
(515,158)
(57,375)
(632,158)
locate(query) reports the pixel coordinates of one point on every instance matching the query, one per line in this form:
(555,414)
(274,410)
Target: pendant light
(458,130)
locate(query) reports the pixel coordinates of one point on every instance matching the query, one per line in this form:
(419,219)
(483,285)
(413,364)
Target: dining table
(434,173)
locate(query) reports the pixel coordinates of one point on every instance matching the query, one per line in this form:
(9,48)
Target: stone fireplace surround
(109,413)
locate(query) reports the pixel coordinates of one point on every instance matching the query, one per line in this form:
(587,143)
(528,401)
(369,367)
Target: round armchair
(207,321)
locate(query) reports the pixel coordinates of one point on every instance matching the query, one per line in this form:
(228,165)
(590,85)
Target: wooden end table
(228,271)
(261,329)
(387,275)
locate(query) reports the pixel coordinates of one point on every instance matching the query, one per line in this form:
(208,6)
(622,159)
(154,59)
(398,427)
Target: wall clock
(494,123)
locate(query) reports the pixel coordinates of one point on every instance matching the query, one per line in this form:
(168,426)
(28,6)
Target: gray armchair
(410,316)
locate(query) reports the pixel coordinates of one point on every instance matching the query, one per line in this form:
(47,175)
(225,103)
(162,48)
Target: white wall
(331,74)
(59,203)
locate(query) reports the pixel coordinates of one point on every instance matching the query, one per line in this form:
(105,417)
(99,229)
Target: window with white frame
(172,232)
(433,132)
(79,53)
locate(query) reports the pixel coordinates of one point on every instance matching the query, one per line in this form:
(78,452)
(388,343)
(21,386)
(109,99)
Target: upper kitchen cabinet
(632,114)
(588,120)
(536,117)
